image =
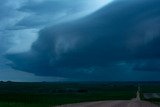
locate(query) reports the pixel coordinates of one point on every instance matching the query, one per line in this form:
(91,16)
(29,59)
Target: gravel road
(120,103)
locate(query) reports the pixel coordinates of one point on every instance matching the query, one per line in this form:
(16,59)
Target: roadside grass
(11,104)
(43,100)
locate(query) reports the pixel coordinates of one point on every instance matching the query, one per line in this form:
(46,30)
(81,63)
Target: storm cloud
(123,36)
(50,12)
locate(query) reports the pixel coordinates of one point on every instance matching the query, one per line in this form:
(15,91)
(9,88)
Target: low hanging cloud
(29,16)
(123,36)
(50,12)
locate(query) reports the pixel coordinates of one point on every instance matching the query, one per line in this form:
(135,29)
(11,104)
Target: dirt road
(123,103)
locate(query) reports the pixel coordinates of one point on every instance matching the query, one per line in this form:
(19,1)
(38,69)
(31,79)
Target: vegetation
(51,94)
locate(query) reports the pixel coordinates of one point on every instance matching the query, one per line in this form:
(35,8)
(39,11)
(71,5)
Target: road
(135,102)
(120,103)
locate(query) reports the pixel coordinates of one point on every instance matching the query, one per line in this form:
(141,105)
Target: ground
(120,103)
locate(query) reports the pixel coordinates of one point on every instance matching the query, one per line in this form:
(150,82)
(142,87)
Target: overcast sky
(86,40)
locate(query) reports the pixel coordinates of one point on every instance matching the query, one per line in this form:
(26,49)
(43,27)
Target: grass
(10,104)
(45,100)
(52,94)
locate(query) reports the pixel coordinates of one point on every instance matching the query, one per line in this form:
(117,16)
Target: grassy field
(51,94)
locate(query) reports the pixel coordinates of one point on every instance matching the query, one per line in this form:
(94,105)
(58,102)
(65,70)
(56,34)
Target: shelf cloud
(118,40)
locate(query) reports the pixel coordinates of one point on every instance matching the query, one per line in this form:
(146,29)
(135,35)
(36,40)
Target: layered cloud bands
(120,38)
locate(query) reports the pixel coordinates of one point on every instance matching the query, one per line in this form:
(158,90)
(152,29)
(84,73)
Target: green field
(51,94)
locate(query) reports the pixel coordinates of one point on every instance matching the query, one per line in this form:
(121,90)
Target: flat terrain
(127,103)
(43,94)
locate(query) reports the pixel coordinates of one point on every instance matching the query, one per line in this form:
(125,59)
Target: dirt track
(125,103)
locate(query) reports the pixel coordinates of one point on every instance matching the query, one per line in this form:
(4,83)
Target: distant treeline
(75,87)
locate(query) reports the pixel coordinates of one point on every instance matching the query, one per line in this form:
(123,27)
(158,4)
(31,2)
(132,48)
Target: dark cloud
(120,37)
(50,6)
(55,11)
(150,65)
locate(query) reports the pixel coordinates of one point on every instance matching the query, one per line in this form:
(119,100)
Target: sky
(86,40)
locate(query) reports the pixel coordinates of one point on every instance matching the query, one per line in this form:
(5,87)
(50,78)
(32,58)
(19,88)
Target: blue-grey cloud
(119,38)
(7,18)
(150,65)
(49,12)
(15,38)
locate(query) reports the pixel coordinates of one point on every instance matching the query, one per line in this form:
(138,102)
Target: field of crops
(50,94)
